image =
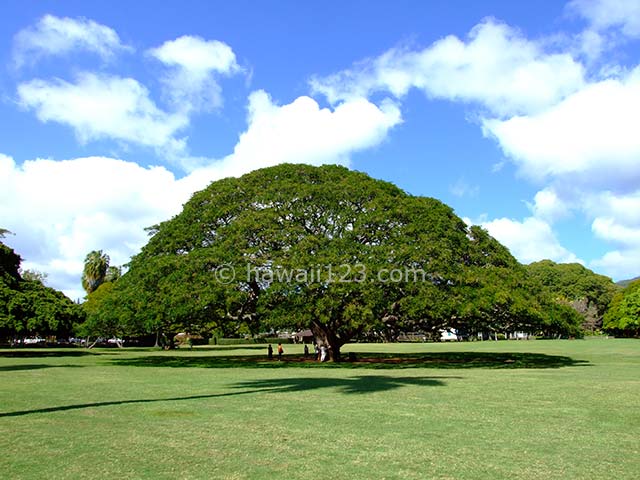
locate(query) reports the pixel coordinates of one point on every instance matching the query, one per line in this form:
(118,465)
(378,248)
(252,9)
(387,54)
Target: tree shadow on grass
(350,385)
(224,348)
(443,360)
(33,366)
(27,353)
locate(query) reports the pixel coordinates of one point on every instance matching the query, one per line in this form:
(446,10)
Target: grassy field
(495,410)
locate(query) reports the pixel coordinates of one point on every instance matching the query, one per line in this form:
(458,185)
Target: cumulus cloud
(497,68)
(55,36)
(548,206)
(194,63)
(605,14)
(625,208)
(616,220)
(61,210)
(302,132)
(619,264)
(529,240)
(610,229)
(591,135)
(99,106)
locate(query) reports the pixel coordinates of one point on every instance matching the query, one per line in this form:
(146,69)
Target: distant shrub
(248,341)
(231,341)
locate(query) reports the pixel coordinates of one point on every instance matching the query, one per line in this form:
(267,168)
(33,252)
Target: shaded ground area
(33,353)
(33,366)
(358,385)
(354,385)
(365,360)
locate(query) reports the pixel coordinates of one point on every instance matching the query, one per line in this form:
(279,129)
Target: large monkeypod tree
(324,248)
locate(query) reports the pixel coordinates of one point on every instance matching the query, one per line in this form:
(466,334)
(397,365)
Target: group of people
(321,353)
(280,352)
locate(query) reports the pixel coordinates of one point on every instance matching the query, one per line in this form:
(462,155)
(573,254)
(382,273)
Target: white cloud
(591,136)
(591,44)
(619,264)
(605,14)
(610,229)
(302,132)
(101,106)
(616,220)
(197,55)
(549,206)
(61,210)
(194,62)
(530,240)
(53,36)
(496,67)
(625,208)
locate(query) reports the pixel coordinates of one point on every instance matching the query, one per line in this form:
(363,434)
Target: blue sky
(523,116)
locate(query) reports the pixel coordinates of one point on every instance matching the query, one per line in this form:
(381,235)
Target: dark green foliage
(102,317)
(9,265)
(623,316)
(9,280)
(250,341)
(28,307)
(315,247)
(572,284)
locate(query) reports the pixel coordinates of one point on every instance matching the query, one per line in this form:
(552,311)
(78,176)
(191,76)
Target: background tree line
(28,307)
(302,218)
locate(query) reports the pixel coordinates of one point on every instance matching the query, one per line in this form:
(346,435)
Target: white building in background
(448,335)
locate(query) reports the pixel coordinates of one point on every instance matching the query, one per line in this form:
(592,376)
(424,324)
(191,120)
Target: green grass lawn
(495,410)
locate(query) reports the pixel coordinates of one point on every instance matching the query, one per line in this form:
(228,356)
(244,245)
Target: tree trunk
(334,352)
(326,338)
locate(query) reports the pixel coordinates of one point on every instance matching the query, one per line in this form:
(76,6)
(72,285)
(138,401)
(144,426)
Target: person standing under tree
(306,351)
(280,351)
(270,352)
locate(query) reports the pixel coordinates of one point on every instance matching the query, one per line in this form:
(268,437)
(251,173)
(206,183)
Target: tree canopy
(27,306)
(575,285)
(623,316)
(325,248)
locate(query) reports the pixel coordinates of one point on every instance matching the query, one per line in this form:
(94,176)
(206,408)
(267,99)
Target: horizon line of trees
(293,217)
(33,309)
(27,306)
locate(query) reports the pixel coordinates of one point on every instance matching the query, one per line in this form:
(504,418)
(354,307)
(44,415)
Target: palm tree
(96,264)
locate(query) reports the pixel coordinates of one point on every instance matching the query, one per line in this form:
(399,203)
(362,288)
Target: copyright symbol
(225,274)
